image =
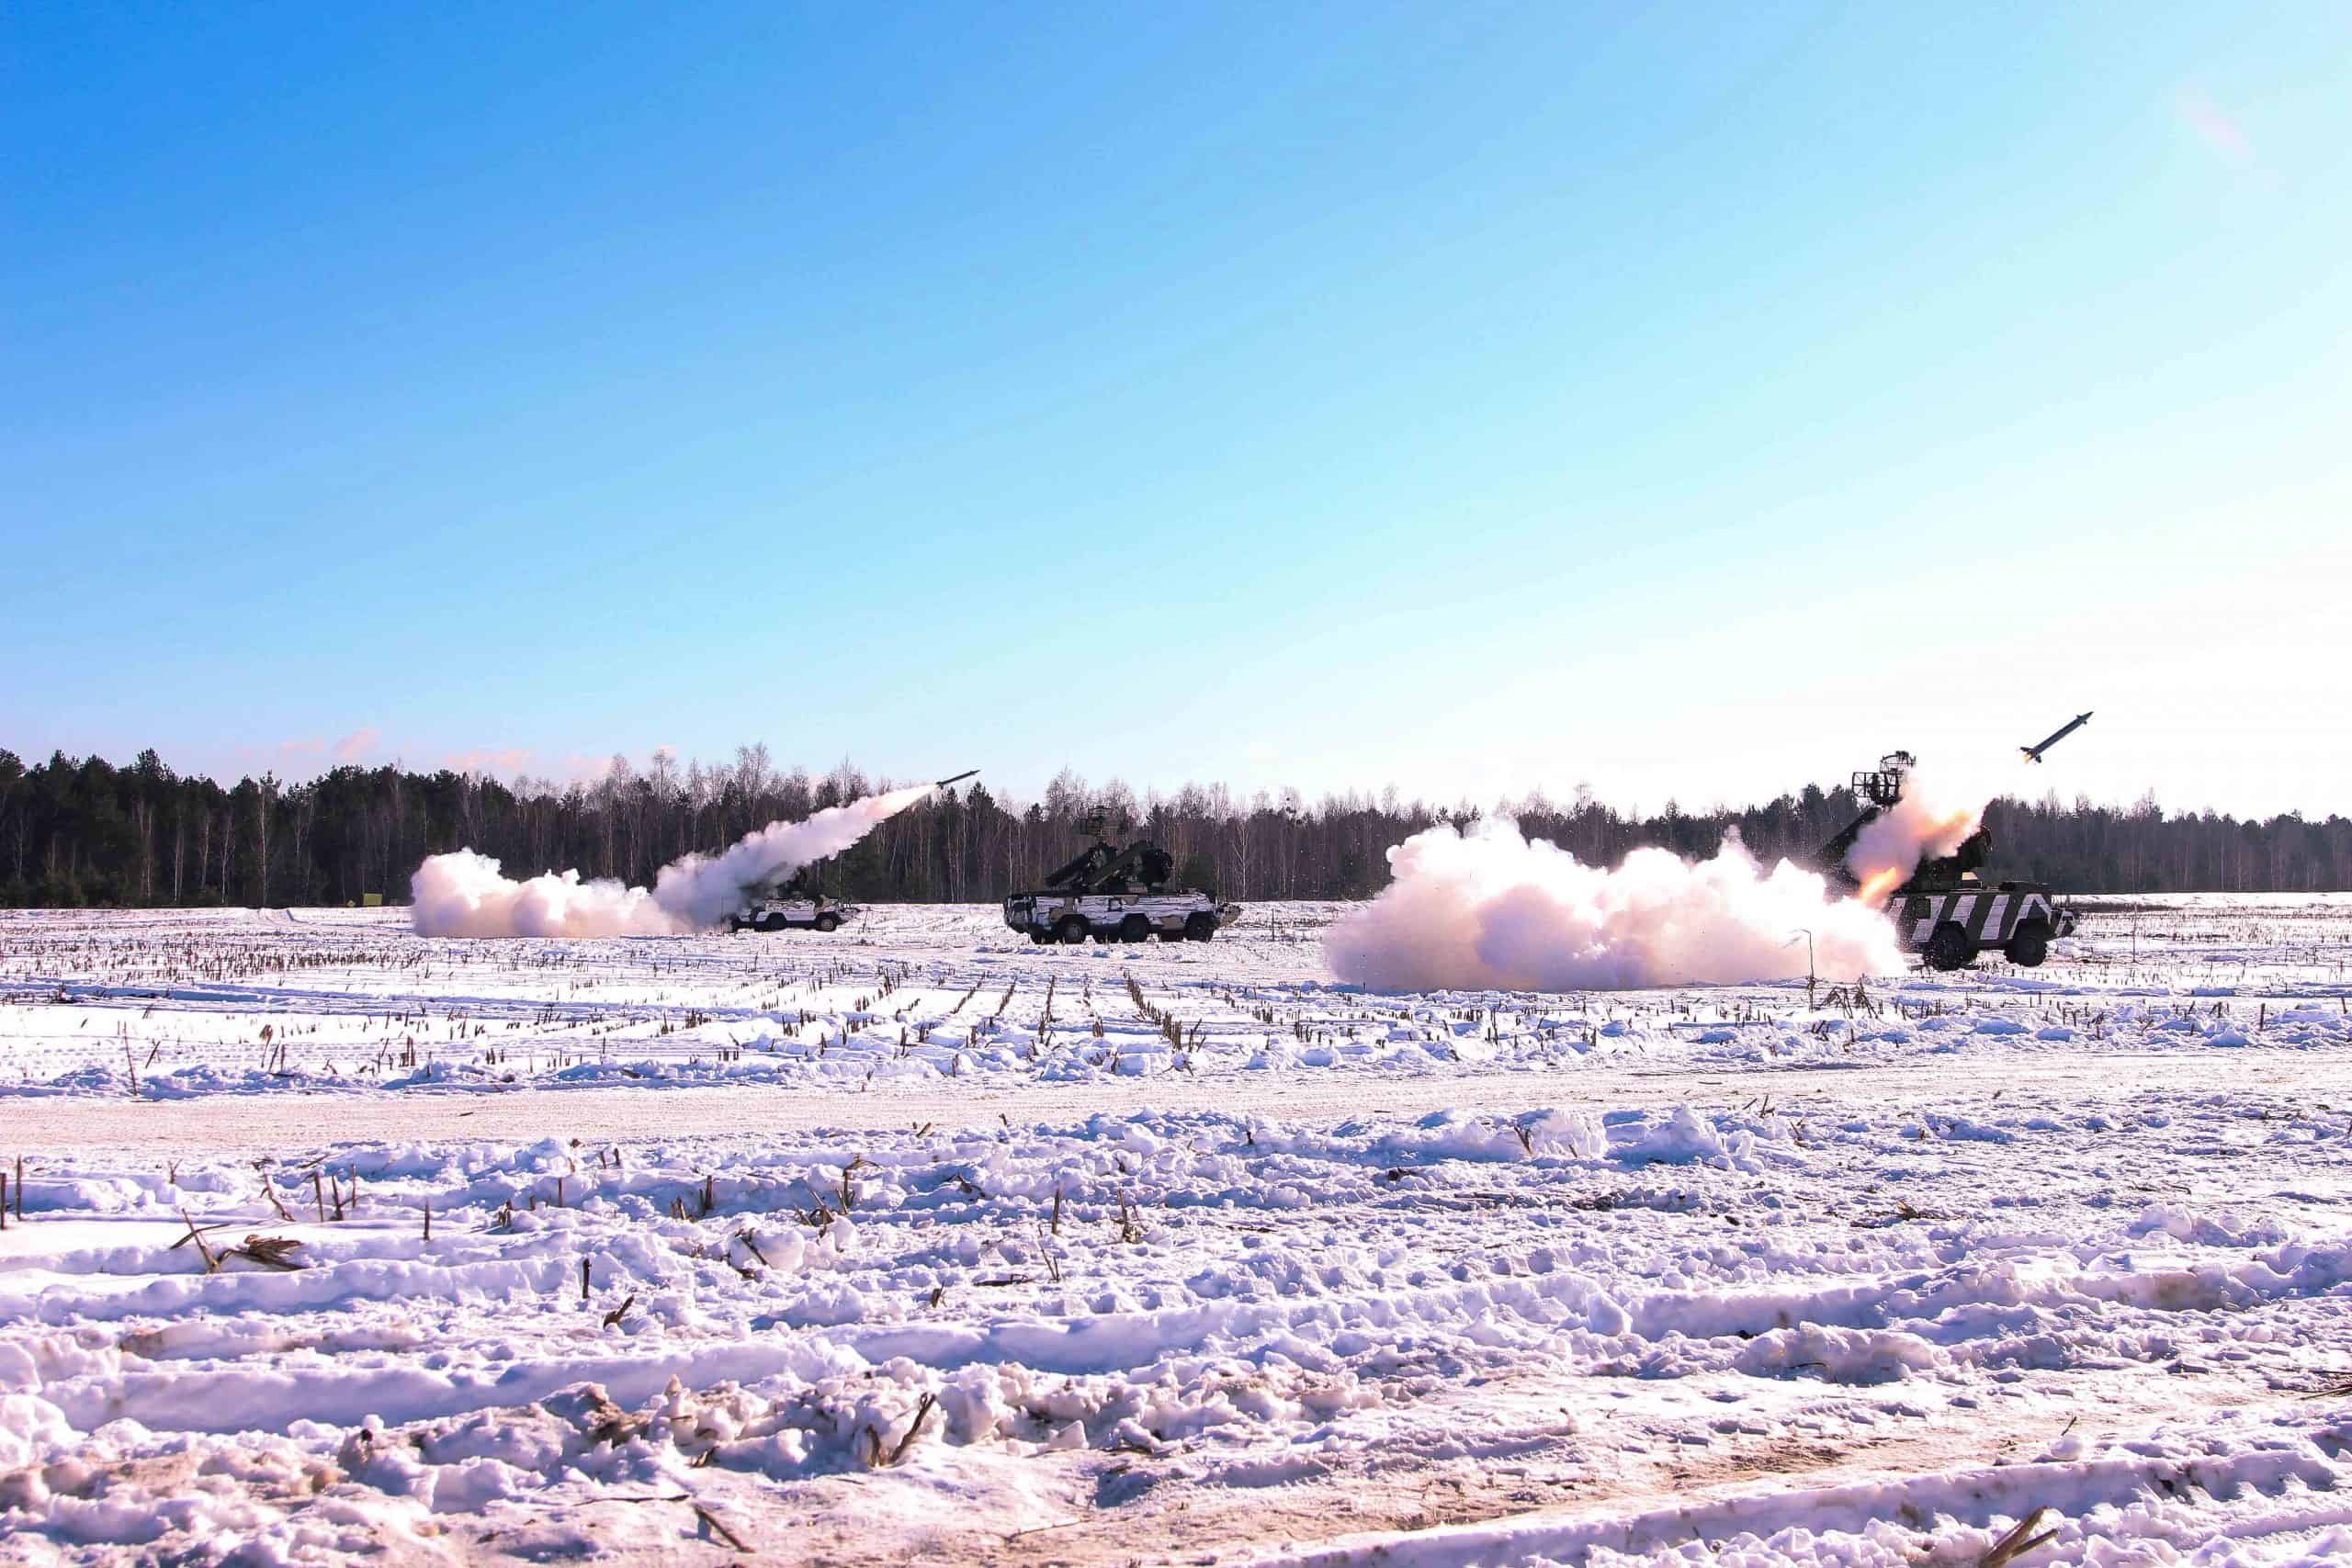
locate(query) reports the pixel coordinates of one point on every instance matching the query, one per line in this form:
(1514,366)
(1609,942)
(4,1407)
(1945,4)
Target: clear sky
(1692,400)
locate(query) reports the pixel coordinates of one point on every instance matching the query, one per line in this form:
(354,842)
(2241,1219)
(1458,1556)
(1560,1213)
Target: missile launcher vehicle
(1115,894)
(786,911)
(797,904)
(1942,911)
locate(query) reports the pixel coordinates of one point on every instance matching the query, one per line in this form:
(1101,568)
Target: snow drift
(464,894)
(1492,910)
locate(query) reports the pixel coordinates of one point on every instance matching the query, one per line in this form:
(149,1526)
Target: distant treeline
(83,831)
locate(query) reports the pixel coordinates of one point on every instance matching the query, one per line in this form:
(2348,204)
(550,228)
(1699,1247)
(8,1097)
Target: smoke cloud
(1492,910)
(464,894)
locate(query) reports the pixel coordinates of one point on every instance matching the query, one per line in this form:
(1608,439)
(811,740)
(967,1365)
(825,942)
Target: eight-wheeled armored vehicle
(1942,911)
(1115,894)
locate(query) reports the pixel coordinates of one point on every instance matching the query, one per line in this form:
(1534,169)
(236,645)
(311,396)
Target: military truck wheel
(1071,928)
(772,923)
(1135,927)
(1040,938)
(829,922)
(1200,927)
(734,925)
(2029,944)
(1949,947)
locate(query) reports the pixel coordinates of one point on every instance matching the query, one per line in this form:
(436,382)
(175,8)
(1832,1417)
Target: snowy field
(918,1243)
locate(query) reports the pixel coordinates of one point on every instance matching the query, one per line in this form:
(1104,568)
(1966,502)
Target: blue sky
(1470,398)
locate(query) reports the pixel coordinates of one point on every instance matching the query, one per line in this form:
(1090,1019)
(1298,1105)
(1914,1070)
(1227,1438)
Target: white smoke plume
(464,894)
(1934,815)
(701,890)
(1492,910)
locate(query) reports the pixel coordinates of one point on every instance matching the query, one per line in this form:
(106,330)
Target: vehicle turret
(1116,893)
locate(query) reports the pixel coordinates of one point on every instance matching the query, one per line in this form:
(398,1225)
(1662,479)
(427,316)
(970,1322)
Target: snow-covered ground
(920,1243)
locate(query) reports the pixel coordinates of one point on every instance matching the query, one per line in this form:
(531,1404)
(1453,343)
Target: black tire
(2029,944)
(1040,938)
(1200,927)
(1950,947)
(1071,929)
(772,923)
(1135,927)
(734,925)
(829,922)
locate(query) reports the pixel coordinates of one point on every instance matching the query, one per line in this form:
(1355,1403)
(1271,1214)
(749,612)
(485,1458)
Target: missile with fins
(960,778)
(2033,753)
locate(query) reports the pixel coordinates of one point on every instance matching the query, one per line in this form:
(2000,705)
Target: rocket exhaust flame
(464,894)
(1878,885)
(1934,816)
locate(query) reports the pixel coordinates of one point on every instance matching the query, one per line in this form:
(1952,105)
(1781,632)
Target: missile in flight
(2033,753)
(974,772)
